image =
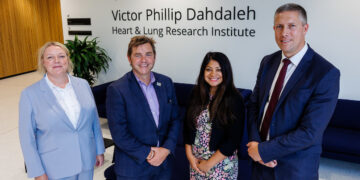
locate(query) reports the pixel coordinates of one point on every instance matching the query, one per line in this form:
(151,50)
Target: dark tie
(273,101)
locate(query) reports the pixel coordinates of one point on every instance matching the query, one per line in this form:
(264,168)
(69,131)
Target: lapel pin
(158,83)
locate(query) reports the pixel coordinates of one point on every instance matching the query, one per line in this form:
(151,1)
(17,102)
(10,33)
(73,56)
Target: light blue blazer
(49,141)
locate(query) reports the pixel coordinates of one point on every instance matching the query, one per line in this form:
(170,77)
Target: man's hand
(270,164)
(99,160)
(204,166)
(160,155)
(253,150)
(42,177)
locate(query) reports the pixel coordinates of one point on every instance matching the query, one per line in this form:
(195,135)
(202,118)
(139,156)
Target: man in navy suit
(293,100)
(143,117)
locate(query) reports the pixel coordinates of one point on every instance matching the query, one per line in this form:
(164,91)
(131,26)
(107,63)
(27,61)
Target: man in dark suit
(143,118)
(293,100)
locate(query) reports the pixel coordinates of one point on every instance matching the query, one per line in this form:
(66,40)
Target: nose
(56,59)
(285,31)
(142,58)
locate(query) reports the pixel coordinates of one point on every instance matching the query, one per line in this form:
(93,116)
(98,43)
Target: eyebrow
(212,67)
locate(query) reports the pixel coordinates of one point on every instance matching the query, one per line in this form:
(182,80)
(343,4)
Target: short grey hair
(293,7)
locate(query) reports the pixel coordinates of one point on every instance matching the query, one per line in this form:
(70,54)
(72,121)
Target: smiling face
(213,75)
(55,61)
(142,60)
(290,32)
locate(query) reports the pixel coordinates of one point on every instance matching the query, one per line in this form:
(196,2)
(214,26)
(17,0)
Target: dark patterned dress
(226,169)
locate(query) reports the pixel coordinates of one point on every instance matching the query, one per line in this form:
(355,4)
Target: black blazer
(226,139)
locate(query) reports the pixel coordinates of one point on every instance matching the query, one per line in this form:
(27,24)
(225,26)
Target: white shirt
(67,99)
(294,62)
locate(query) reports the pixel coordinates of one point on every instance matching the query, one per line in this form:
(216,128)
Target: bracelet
(152,153)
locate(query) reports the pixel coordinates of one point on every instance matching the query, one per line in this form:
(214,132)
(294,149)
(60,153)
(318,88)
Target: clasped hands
(200,165)
(157,156)
(253,152)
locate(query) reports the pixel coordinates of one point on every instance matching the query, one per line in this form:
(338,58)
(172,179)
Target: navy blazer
(132,125)
(301,115)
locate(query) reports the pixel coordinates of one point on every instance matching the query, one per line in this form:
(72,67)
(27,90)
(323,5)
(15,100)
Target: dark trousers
(260,172)
(157,174)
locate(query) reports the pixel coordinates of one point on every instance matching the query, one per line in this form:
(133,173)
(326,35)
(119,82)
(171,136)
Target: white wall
(333,33)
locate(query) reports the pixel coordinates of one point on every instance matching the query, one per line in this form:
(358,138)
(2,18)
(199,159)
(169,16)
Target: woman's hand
(194,162)
(42,177)
(204,166)
(99,160)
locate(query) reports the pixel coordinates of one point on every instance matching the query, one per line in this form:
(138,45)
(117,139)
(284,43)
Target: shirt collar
(297,57)
(152,79)
(53,86)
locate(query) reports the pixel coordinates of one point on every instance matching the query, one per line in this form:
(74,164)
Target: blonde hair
(41,68)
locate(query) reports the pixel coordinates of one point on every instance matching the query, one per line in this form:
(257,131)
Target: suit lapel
(139,96)
(298,73)
(161,95)
(80,95)
(53,103)
(271,75)
(272,68)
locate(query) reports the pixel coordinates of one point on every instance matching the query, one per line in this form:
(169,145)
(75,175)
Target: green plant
(88,58)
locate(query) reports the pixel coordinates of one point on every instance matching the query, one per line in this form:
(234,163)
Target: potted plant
(88,58)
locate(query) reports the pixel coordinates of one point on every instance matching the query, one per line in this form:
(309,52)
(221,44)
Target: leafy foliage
(88,58)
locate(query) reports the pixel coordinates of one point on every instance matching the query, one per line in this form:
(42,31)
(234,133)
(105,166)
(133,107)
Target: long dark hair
(220,105)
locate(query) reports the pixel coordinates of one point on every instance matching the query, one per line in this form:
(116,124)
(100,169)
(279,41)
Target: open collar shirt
(151,97)
(67,99)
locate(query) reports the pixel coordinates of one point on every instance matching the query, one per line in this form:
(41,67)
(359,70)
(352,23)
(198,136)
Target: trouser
(83,175)
(158,174)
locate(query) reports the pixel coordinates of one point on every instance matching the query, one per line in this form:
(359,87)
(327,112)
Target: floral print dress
(226,169)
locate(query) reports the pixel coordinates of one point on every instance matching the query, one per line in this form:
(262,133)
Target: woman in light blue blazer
(59,128)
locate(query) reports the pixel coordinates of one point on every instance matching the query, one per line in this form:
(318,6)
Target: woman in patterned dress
(215,121)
